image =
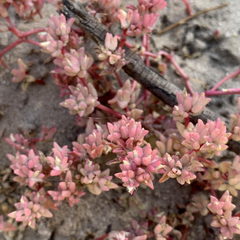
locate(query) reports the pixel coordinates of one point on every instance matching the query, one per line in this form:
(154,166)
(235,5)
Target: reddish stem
(118,78)
(31,32)
(19,34)
(9,47)
(204,160)
(224,92)
(178,68)
(64,50)
(119,37)
(187,120)
(84,82)
(189,152)
(109,110)
(224,177)
(147,96)
(185,231)
(150,54)
(237,215)
(78,31)
(188,7)
(123,39)
(133,85)
(41,82)
(213,192)
(22,37)
(225,79)
(12,27)
(94,67)
(140,100)
(33,147)
(32,42)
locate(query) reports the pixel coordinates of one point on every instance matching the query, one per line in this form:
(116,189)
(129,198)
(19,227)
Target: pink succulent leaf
(232,171)
(111,42)
(138,167)
(52,46)
(189,105)
(74,41)
(213,175)
(94,179)
(59,28)
(19,142)
(210,138)
(122,98)
(126,96)
(182,169)
(151,6)
(21,73)
(138,231)
(27,168)
(27,211)
(234,125)
(3,11)
(118,235)
(82,101)
(114,56)
(125,18)
(66,191)
(6,226)
(110,10)
(47,133)
(125,135)
(223,215)
(75,63)
(59,162)
(25,9)
(148,22)
(216,206)
(95,143)
(109,4)
(227,199)
(78,153)
(199,204)
(162,229)
(170,143)
(142,22)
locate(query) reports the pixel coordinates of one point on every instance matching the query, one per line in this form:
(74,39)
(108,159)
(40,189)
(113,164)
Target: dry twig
(161,32)
(135,68)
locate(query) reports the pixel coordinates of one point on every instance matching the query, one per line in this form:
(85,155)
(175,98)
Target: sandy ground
(205,59)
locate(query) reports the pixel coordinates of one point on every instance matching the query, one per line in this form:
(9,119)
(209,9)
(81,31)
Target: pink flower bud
(125,18)
(111,42)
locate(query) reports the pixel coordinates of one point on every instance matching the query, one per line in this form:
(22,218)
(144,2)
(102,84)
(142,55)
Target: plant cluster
(145,137)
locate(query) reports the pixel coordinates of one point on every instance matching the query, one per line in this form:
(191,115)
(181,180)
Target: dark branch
(151,80)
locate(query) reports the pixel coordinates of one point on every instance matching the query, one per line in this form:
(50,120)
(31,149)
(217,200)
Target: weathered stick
(151,80)
(135,68)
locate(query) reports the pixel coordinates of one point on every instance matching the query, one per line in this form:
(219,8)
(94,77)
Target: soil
(203,57)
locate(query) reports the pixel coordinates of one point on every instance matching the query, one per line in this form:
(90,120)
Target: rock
(189,38)
(226,52)
(44,231)
(199,46)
